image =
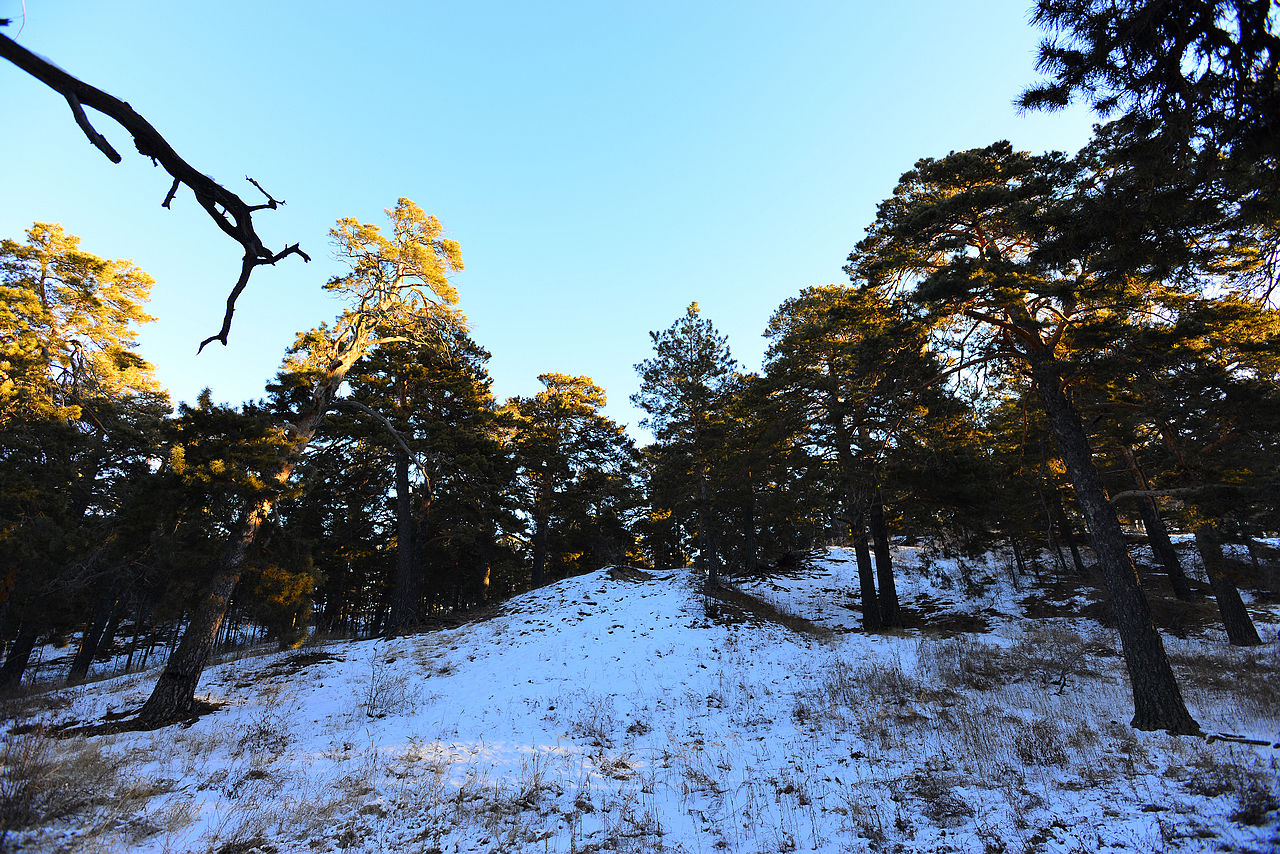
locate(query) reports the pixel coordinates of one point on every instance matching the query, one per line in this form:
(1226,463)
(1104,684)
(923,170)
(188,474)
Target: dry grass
(72,782)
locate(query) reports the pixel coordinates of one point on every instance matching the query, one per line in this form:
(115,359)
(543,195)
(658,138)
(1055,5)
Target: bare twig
(96,138)
(173,191)
(228,211)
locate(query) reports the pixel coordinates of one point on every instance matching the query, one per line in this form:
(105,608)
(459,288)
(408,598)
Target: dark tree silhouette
(231,213)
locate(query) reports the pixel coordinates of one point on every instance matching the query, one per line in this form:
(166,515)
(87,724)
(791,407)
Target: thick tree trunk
(866,574)
(1162,549)
(1157,534)
(15,663)
(404,595)
(890,614)
(1157,700)
(174,695)
(1235,617)
(173,698)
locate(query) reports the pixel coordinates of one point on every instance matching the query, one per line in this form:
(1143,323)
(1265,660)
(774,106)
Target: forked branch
(228,211)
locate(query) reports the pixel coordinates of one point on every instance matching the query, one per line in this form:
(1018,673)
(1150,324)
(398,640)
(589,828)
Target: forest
(1032,351)
(1052,356)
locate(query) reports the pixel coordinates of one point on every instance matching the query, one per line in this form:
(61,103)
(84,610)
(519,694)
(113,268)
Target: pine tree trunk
(137,635)
(1235,617)
(1049,533)
(173,698)
(403,599)
(1068,535)
(1157,534)
(91,640)
(1018,558)
(15,663)
(710,552)
(866,574)
(890,613)
(1157,700)
(541,539)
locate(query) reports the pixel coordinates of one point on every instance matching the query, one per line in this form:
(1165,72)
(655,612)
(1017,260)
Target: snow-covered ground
(626,711)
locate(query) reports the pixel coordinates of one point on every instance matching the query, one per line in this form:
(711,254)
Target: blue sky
(601,164)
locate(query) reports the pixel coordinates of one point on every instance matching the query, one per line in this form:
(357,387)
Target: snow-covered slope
(627,711)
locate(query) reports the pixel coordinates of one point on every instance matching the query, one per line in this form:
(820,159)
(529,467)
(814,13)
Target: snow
(627,711)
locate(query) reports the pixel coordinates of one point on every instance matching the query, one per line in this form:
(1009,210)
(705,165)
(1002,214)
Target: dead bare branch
(228,211)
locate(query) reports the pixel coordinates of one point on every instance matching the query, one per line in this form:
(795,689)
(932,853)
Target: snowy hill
(626,711)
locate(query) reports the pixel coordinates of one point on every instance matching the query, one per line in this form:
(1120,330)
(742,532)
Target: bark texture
(866,576)
(1157,534)
(1235,617)
(15,663)
(890,613)
(404,596)
(92,639)
(1157,700)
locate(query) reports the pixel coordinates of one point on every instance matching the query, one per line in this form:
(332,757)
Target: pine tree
(1191,86)
(435,392)
(391,281)
(684,388)
(853,365)
(577,468)
(79,414)
(974,236)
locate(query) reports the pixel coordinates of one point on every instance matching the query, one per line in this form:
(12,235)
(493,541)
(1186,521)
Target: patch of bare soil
(730,606)
(628,573)
(301,661)
(939,618)
(115,722)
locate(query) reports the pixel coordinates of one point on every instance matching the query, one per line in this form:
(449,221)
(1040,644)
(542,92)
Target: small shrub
(1254,799)
(962,662)
(941,805)
(1040,743)
(268,731)
(388,691)
(1045,655)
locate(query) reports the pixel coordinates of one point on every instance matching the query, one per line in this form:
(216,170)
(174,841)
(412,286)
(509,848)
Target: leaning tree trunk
(866,573)
(15,663)
(890,613)
(1157,534)
(173,698)
(1157,700)
(92,638)
(1162,549)
(1235,617)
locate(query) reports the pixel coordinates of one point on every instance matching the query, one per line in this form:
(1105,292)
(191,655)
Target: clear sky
(602,164)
